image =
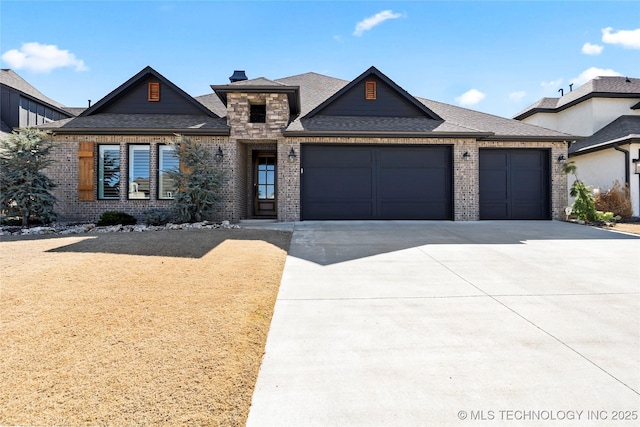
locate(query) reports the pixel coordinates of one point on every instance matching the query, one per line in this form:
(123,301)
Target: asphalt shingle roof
(10,78)
(139,121)
(619,130)
(599,85)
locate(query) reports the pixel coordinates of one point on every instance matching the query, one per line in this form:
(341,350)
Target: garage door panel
(348,210)
(336,158)
(411,210)
(412,184)
(514,184)
(329,184)
(376,182)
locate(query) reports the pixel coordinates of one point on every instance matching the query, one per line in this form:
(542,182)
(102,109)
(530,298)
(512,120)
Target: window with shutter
(85,171)
(153,89)
(370,91)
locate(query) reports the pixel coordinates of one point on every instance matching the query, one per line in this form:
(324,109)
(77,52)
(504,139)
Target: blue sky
(497,57)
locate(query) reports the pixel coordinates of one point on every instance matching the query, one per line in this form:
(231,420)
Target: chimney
(238,76)
(571,87)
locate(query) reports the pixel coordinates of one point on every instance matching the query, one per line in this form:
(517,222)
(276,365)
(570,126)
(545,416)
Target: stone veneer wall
(466,184)
(64,172)
(239,106)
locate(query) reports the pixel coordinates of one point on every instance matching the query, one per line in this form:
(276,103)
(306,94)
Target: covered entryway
(376,182)
(264,184)
(514,184)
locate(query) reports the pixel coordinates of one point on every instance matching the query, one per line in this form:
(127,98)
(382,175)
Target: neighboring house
(22,105)
(309,147)
(606,111)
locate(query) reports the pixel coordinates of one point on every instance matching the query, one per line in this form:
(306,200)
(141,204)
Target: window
(258,114)
(168,161)
(109,172)
(370,91)
(139,167)
(153,91)
(266,177)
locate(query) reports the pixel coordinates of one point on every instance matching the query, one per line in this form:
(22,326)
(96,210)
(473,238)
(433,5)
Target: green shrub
(157,216)
(116,218)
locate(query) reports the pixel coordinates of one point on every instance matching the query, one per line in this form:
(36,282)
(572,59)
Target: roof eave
(387,134)
(141,131)
(575,102)
(534,138)
(610,144)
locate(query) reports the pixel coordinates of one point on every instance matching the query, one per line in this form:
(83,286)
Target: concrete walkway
(453,323)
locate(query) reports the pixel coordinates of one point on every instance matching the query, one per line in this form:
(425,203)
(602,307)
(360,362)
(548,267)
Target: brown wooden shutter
(86,167)
(370,90)
(153,89)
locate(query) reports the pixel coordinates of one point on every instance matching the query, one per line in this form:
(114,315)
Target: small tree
(25,191)
(584,205)
(198,181)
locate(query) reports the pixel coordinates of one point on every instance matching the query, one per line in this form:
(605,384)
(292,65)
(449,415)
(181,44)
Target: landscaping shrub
(616,200)
(25,190)
(157,216)
(116,218)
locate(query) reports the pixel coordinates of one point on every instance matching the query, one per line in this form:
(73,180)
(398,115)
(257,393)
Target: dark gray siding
(134,101)
(388,103)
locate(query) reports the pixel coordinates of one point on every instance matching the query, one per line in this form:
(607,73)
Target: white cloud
(517,96)
(629,39)
(551,84)
(377,19)
(592,73)
(41,58)
(470,97)
(592,49)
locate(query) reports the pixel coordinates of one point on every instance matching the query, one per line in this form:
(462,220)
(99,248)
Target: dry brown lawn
(156,328)
(633,228)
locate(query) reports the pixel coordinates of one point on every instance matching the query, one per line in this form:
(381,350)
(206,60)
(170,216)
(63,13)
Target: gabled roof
(373,71)
(624,129)
(11,79)
(261,85)
(123,89)
(600,87)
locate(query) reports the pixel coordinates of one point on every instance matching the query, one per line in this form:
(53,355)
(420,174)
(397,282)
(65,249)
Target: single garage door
(376,182)
(514,184)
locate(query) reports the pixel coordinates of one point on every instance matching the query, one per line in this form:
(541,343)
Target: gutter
(114,131)
(387,134)
(627,171)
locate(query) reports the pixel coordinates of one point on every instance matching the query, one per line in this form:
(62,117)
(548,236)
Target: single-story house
(309,147)
(606,112)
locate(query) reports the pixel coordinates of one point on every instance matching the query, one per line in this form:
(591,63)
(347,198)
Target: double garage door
(416,182)
(376,182)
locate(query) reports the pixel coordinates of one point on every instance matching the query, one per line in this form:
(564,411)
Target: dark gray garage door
(376,182)
(514,184)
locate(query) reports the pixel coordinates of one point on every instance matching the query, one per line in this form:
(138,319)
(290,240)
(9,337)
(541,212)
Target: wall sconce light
(219,154)
(562,159)
(466,155)
(636,166)
(292,155)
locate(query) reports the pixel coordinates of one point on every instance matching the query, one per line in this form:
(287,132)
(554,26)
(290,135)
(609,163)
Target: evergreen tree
(198,182)
(25,191)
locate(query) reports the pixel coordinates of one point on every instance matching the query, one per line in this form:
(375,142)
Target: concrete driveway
(453,323)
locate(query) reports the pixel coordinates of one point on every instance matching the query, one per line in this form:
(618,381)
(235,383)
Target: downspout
(627,172)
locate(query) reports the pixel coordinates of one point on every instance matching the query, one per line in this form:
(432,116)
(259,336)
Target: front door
(264,184)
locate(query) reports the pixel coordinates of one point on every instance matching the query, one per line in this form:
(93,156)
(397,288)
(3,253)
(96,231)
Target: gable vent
(370,91)
(153,91)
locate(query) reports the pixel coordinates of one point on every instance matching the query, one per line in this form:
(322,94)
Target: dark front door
(376,182)
(264,184)
(514,184)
